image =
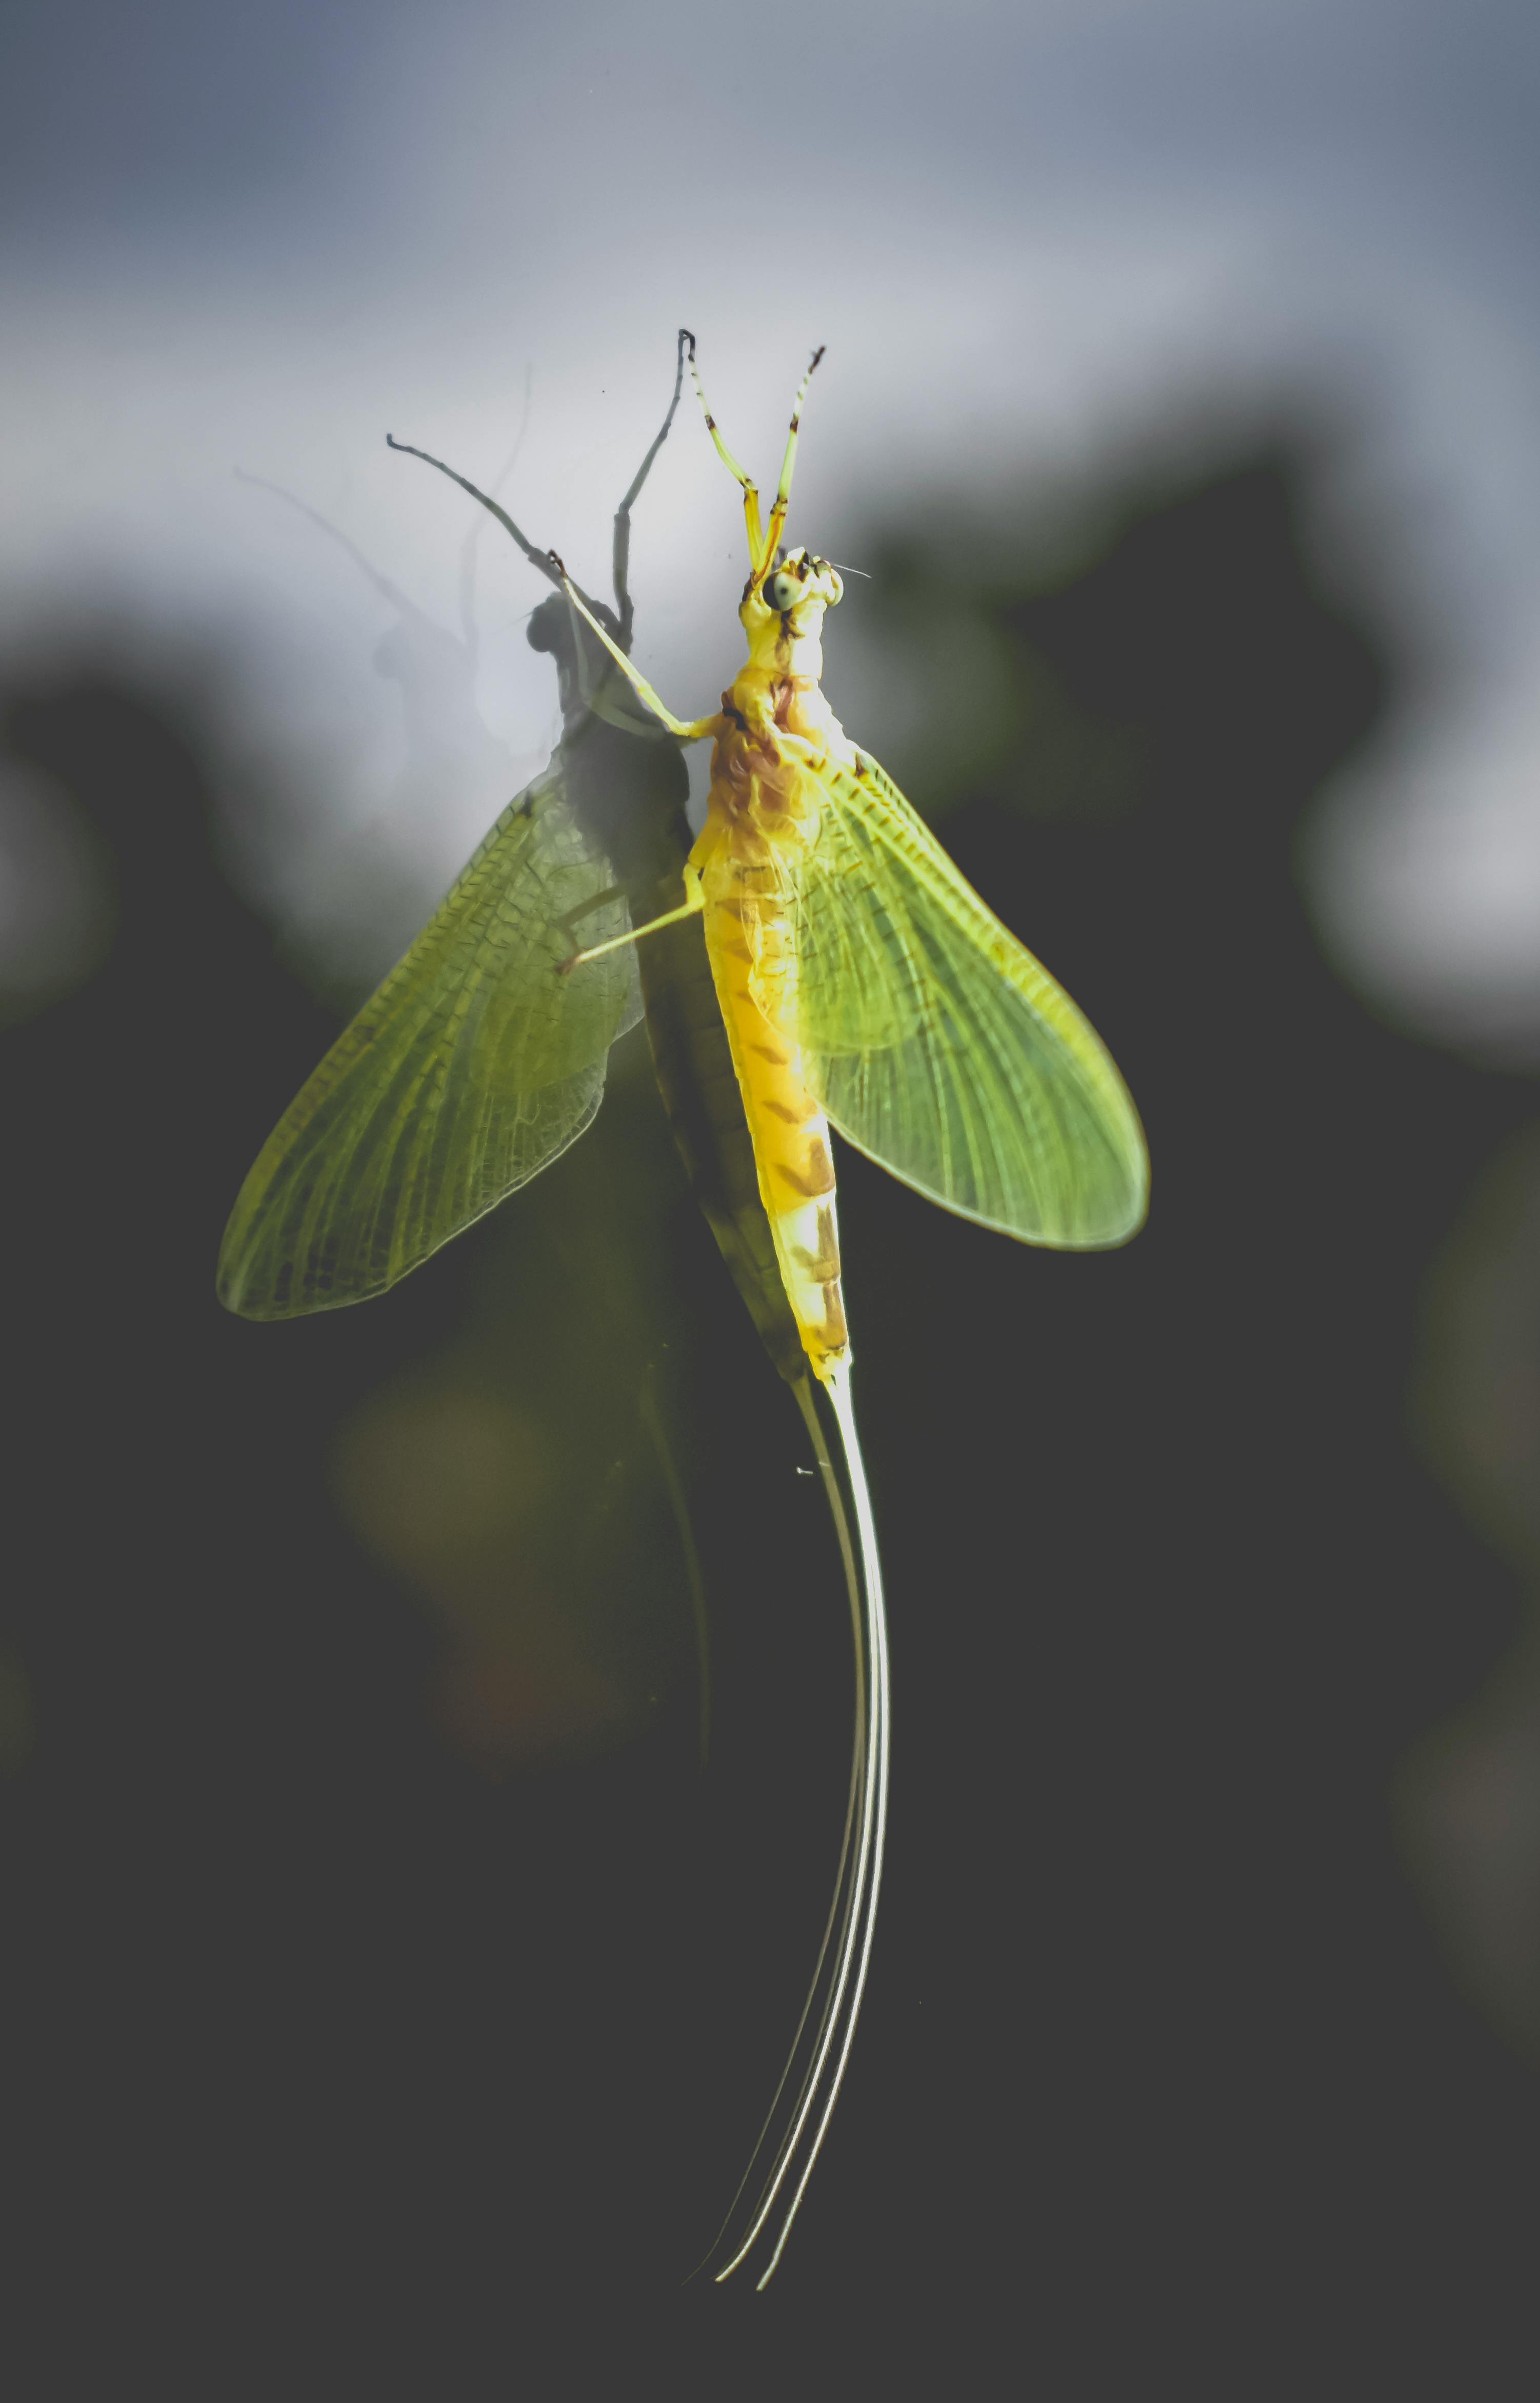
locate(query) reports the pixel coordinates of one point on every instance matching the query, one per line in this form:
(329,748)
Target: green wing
(473,1064)
(939,1045)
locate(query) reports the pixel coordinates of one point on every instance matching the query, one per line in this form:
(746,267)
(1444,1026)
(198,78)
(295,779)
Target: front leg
(683,729)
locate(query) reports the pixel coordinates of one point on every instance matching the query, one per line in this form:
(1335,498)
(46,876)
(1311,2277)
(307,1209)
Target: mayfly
(827,964)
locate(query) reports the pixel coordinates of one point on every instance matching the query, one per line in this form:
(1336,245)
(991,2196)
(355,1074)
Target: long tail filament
(840,1973)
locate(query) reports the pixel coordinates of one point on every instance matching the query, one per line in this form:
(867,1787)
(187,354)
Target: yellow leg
(782,489)
(684,730)
(759,553)
(695,899)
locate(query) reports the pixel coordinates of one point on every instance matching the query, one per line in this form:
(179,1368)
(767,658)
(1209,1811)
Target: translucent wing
(473,1064)
(937,1043)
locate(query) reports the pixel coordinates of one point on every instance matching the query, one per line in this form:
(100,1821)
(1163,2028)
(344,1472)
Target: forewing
(473,1064)
(937,1043)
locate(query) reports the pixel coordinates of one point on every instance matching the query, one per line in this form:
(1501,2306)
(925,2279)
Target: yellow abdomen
(746,929)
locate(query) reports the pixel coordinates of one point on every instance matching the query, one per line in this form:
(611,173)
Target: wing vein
(935,1040)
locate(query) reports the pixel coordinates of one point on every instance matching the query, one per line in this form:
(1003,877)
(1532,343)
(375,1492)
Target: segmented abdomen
(695,1067)
(746,930)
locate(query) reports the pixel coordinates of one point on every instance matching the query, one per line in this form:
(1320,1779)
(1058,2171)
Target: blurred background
(392,1991)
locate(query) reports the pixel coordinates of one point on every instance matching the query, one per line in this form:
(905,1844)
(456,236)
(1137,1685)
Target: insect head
(800,577)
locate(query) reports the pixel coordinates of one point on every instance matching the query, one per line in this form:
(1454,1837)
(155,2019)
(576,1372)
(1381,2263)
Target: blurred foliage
(1469,1794)
(513,1479)
(1172,1592)
(56,900)
(1048,667)
(1477,1392)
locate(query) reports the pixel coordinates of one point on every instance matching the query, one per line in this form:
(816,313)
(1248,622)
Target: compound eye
(780,590)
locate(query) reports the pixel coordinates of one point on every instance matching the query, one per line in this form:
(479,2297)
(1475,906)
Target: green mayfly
(826,966)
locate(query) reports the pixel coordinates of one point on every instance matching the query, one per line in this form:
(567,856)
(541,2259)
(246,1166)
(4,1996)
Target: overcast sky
(1032,237)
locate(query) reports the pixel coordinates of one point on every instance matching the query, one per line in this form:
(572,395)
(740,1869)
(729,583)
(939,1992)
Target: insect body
(863,983)
(761,803)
